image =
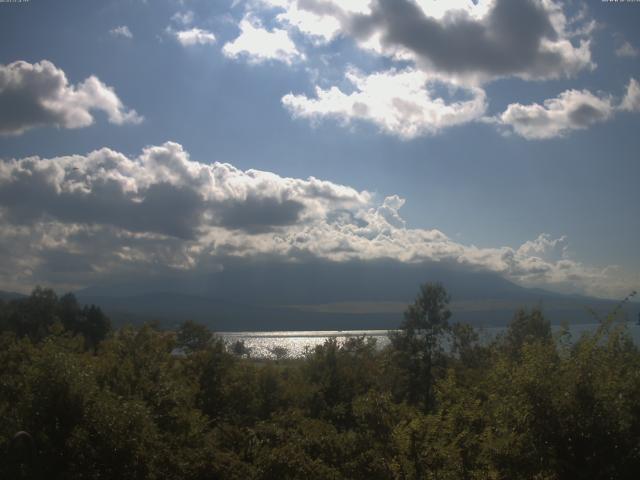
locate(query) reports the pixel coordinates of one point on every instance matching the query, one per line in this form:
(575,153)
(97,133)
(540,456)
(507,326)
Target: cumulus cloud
(161,191)
(39,94)
(258,44)
(400,103)
(121,31)
(78,219)
(524,38)
(546,248)
(625,49)
(321,20)
(194,36)
(631,100)
(571,110)
(460,44)
(474,41)
(183,18)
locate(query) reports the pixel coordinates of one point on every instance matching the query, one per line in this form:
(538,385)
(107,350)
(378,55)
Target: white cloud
(400,103)
(322,21)
(546,248)
(183,18)
(194,36)
(163,191)
(121,31)
(322,28)
(83,218)
(438,9)
(258,44)
(571,110)
(631,100)
(463,40)
(39,94)
(93,94)
(625,49)
(458,44)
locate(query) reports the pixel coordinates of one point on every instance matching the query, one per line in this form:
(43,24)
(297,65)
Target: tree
(279,352)
(526,327)
(88,321)
(193,336)
(418,344)
(239,349)
(466,348)
(95,325)
(69,311)
(33,316)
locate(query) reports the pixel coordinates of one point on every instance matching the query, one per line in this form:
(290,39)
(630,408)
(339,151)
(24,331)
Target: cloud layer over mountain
(77,219)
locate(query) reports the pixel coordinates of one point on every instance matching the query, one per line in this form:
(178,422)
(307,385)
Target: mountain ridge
(321,296)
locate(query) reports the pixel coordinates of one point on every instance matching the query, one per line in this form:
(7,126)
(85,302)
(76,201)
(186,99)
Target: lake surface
(296,343)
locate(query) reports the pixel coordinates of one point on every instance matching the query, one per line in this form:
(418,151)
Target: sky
(169,136)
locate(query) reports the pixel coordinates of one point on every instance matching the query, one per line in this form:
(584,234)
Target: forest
(82,400)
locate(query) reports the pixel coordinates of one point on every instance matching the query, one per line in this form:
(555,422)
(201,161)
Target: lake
(262,344)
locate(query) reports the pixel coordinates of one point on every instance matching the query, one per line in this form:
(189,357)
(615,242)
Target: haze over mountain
(330,295)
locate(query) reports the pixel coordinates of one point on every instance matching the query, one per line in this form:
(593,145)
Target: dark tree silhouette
(193,336)
(418,344)
(34,316)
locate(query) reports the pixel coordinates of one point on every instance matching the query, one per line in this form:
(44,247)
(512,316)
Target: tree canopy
(527,404)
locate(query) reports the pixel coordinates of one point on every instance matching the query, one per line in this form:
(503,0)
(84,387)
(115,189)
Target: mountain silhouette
(329,295)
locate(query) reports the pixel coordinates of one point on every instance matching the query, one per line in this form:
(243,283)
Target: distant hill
(330,296)
(10,295)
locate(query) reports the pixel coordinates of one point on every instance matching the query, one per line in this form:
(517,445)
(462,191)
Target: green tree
(94,325)
(418,344)
(33,316)
(240,349)
(213,366)
(338,374)
(193,337)
(88,321)
(526,327)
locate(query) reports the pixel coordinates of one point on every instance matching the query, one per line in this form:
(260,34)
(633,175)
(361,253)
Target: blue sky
(546,194)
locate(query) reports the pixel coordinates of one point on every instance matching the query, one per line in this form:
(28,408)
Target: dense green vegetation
(141,403)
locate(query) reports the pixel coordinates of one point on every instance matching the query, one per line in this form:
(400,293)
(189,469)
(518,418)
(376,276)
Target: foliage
(418,344)
(35,316)
(193,336)
(141,403)
(240,349)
